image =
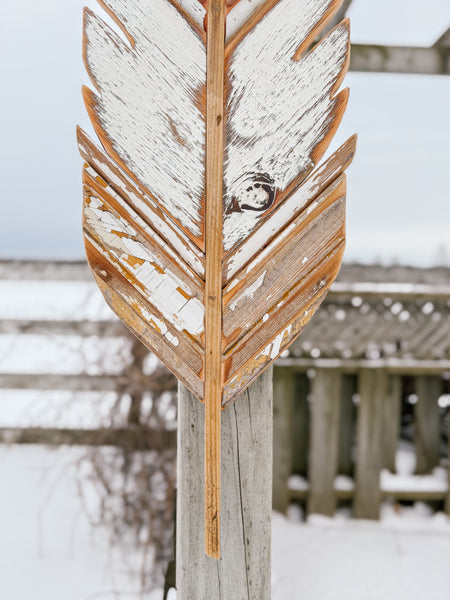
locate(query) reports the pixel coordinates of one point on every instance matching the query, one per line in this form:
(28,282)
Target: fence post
(347,421)
(447,500)
(323,449)
(243,571)
(392,406)
(300,425)
(283,400)
(373,389)
(426,422)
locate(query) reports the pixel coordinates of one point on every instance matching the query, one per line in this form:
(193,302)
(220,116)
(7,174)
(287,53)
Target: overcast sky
(399,185)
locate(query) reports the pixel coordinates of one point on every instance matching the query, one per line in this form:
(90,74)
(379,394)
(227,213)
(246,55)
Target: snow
(48,549)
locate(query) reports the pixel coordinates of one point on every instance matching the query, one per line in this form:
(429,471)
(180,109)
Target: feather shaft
(213,275)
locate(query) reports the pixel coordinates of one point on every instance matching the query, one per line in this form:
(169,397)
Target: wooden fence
(378,348)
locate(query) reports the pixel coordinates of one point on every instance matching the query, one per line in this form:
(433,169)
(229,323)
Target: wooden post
(373,389)
(323,450)
(391,421)
(300,425)
(426,423)
(346,425)
(447,500)
(243,571)
(283,392)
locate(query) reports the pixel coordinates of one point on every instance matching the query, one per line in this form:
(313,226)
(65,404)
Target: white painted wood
(141,202)
(168,293)
(243,571)
(280,109)
(147,100)
(240,13)
(276,222)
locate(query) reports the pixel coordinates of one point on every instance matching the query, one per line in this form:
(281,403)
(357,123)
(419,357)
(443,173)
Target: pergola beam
(434,60)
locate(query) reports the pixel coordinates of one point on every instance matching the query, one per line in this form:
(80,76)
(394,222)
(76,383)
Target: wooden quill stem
(213,276)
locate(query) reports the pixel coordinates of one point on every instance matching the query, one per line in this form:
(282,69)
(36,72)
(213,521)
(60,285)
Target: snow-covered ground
(48,551)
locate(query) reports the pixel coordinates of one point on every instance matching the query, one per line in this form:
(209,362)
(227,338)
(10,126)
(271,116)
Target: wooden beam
(243,571)
(323,450)
(391,408)
(85,383)
(427,433)
(372,387)
(283,402)
(401,366)
(400,59)
(215,74)
(137,438)
(83,328)
(346,425)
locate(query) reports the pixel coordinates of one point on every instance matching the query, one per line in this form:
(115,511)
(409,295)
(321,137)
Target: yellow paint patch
(134,261)
(101,181)
(183,293)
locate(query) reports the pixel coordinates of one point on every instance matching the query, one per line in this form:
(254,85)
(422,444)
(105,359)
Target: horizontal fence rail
(341,393)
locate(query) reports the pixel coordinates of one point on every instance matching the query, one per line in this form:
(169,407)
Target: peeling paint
(248,292)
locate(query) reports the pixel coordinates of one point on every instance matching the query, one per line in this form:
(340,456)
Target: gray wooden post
(391,421)
(283,399)
(243,571)
(447,500)
(323,450)
(373,389)
(300,425)
(346,425)
(426,423)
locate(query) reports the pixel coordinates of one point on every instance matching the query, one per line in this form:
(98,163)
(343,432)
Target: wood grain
(213,276)
(243,571)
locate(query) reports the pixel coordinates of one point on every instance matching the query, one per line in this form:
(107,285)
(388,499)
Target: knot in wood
(255,191)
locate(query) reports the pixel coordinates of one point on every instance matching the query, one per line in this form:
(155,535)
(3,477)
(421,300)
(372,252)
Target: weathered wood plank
(138,438)
(391,408)
(373,389)
(48,327)
(300,425)
(84,382)
(213,377)
(401,366)
(282,265)
(149,136)
(400,59)
(408,494)
(243,571)
(269,338)
(136,197)
(427,434)
(275,221)
(447,498)
(346,425)
(323,450)
(283,402)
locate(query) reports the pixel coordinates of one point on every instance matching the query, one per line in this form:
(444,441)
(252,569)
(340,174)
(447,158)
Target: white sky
(398,193)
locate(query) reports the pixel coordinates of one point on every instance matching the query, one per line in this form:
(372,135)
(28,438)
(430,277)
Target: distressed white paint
(135,218)
(179,241)
(169,294)
(271,247)
(249,291)
(277,220)
(240,13)
(194,9)
(147,102)
(279,109)
(154,322)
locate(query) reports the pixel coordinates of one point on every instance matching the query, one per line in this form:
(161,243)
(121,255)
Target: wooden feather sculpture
(207,226)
